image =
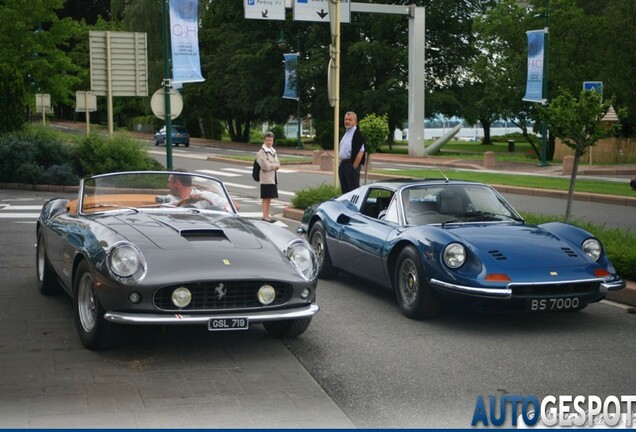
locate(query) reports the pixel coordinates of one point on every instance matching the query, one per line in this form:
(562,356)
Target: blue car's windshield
(443,203)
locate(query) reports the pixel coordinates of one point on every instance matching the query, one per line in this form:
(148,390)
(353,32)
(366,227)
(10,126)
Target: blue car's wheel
(47,283)
(318,240)
(94,331)
(414,295)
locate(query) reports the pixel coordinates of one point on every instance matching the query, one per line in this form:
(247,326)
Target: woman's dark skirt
(269,191)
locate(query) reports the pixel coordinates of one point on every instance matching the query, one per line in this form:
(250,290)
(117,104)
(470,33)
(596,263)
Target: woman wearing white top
(268,160)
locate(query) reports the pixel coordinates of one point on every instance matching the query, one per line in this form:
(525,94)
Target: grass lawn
(537,182)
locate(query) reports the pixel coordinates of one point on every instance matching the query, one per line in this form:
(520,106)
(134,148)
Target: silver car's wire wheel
(86,305)
(408,283)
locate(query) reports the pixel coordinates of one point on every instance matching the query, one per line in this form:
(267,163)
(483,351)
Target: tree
(493,88)
(243,69)
(375,129)
(616,69)
(374,62)
(12,101)
(33,37)
(578,123)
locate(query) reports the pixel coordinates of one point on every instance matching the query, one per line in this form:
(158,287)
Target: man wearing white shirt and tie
(351,154)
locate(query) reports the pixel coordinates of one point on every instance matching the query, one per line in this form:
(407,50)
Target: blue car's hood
(519,246)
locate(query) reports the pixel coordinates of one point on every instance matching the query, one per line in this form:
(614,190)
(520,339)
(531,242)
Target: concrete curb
(626,296)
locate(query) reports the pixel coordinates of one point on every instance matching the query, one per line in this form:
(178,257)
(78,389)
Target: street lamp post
(167,82)
(544,88)
(282,44)
(544,82)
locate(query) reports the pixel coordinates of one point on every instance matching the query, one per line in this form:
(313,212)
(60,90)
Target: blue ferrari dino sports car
(435,240)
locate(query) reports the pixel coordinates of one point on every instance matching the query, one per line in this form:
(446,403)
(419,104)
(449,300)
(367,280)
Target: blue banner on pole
(291,77)
(534,82)
(184,26)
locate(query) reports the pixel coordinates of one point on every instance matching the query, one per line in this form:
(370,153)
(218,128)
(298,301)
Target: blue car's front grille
(222,295)
(542,290)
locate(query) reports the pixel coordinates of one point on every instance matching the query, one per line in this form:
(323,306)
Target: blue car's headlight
(303,258)
(126,263)
(592,248)
(454,255)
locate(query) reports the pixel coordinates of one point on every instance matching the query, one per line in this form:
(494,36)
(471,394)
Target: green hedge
(312,195)
(37,155)
(98,154)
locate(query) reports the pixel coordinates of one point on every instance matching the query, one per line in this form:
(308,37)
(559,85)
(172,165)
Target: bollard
(489,160)
(316,157)
(568,165)
(326,162)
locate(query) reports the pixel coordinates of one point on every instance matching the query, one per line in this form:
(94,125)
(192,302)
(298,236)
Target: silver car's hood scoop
(189,230)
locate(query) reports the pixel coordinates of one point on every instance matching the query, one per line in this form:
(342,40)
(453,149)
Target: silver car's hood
(178,231)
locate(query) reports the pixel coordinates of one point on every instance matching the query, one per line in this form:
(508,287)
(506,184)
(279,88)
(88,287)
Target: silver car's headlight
(592,248)
(303,258)
(454,255)
(126,263)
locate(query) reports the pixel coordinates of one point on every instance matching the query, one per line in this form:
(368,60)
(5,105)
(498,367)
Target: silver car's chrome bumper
(140,318)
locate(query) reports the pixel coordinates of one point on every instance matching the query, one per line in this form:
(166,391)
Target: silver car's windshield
(153,189)
(444,203)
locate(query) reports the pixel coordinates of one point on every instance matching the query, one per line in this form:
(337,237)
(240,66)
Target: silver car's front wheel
(94,331)
(47,282)
(414,295)
(86,307)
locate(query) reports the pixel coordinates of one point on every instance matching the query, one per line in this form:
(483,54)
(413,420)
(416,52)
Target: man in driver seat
(181,189)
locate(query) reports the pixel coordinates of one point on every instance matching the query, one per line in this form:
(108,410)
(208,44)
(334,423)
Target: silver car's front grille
(222,295)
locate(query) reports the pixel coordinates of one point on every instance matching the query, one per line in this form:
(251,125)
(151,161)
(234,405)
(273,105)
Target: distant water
(473,134)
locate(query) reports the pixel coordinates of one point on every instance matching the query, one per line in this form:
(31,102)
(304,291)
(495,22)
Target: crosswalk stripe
(237,185)
(9,215)
(239,170)
(218,173)
(21,207)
